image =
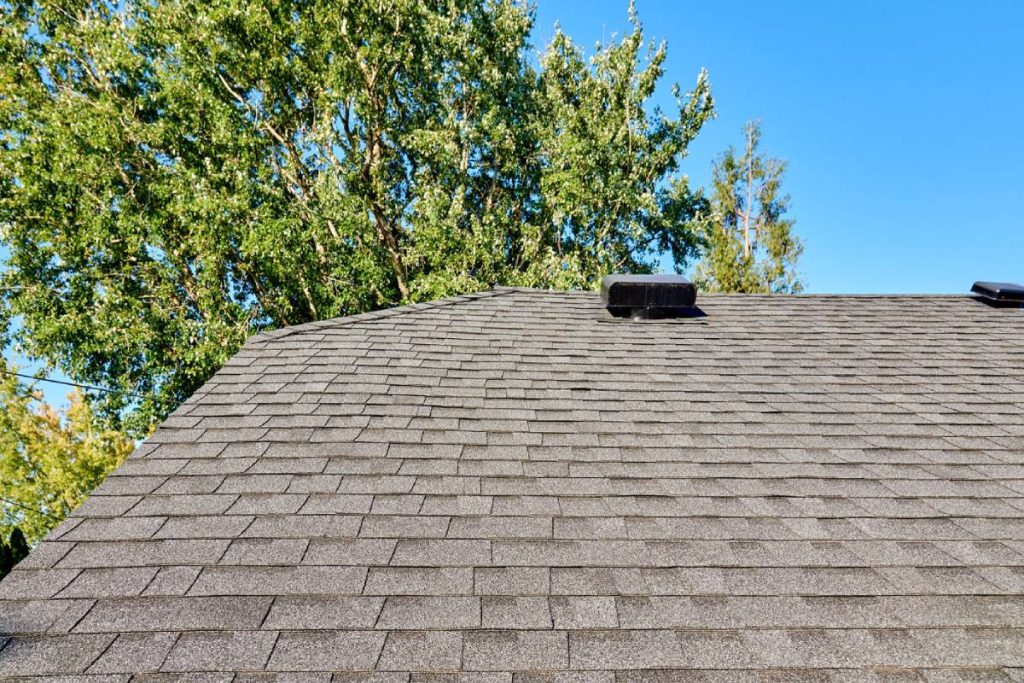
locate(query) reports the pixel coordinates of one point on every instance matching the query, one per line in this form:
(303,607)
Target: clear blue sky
(903,124)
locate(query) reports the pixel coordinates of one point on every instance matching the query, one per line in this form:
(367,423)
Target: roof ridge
(381,313)
(842,295)
(542,290)
(501,290)
(762,295)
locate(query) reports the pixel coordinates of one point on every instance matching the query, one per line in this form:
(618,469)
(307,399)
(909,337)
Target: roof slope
(792,488)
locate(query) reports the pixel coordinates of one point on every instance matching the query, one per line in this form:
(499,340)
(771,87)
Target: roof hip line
(406,309)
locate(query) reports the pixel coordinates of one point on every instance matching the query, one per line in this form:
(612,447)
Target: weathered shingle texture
(515,487)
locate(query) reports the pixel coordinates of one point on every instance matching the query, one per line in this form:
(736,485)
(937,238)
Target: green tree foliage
(49,460)
(611,192)
(749,243)
(177,174)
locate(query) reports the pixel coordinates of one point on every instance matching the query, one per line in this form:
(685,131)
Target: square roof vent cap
(647,296)
(1000,292)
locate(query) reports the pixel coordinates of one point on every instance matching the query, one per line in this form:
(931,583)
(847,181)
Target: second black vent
(1000,293)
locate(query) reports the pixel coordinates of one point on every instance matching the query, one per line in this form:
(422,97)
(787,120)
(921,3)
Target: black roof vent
(1000,293)
(648,296)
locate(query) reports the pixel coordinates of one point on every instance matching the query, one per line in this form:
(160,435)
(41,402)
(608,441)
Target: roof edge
(505,288)
(379,314)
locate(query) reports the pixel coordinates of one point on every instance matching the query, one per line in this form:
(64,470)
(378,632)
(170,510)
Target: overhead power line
(70,384)
(26,507)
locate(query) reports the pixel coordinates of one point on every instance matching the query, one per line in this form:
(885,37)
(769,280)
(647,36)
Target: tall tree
(610,187)
(749,244)
(49,460)
(177,174)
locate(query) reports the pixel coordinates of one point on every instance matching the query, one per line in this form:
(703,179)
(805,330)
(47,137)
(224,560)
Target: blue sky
(903,124)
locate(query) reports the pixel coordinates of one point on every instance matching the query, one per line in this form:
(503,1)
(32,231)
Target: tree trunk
(750,192)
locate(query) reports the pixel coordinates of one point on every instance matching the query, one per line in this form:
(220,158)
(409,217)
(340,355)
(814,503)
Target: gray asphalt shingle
(513,487)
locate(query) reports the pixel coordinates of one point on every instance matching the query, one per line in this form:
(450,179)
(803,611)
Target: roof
(809,488)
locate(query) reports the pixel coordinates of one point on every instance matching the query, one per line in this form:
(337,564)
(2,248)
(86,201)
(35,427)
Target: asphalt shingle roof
(513,486)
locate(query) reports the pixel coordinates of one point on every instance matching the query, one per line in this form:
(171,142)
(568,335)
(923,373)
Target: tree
(749,245)
(610,189)
(49,460)
(175,175)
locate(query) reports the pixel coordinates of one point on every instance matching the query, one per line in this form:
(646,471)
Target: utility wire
(26,507)
(70,384)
